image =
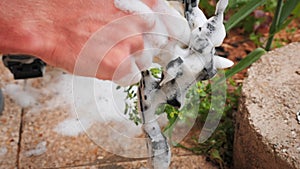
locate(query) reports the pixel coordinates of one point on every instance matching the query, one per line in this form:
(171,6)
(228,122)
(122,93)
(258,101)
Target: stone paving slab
(9,130)
(178,162)
(64,151)
(41,146)
(9,125)
(56,150)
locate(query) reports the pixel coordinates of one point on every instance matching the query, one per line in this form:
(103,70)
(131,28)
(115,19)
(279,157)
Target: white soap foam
(92,101)
(3,151)
(38,150)
(22,97)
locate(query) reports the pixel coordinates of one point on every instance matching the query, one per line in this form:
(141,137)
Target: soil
(236,46)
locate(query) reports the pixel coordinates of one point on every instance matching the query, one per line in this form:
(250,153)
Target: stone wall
(267,130)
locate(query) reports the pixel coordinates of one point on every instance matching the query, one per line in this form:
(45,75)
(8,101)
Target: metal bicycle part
(24,66)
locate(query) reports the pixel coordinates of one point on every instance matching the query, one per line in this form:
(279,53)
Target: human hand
(58,33)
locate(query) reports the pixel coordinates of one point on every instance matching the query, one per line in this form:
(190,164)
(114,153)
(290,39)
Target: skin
(56,31)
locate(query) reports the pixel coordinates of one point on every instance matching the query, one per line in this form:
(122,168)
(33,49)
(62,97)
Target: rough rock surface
(267,130)
(28,139)
(10,122)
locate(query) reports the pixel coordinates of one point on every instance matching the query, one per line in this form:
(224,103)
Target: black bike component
(24,66)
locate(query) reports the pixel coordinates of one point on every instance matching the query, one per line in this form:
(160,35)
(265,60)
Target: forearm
(56,32)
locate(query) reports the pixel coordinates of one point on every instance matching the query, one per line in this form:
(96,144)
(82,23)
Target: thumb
(127,73)
(177,26)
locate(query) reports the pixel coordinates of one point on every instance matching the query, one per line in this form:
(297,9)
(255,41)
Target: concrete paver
(10,123)
(267,131)
(178,162)
(41,146)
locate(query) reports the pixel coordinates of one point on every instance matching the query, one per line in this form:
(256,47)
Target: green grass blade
(274,25)
(247,61)
(296,11)
(287,9)
(248,8)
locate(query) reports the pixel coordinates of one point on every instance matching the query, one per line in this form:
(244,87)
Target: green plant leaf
(207,7)
(214,153)
(275,24)
(287,9)
(284,24)
(247,61)
(283,10)
(296,11)
(247,9)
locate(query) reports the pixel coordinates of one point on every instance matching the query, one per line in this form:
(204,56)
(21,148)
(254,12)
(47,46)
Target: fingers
(150,3)
(154,27)
(176,24)
(124,61)
(127,73)
(143,59)
(120,65)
